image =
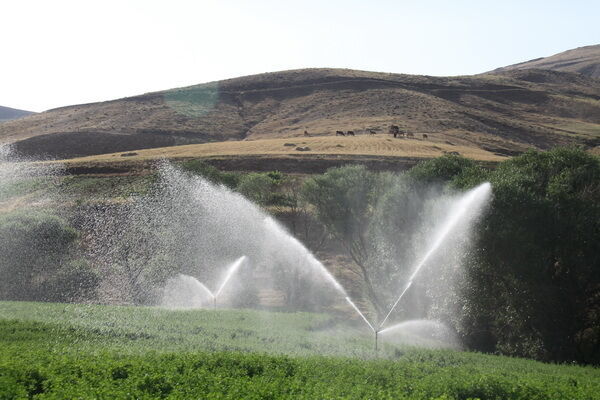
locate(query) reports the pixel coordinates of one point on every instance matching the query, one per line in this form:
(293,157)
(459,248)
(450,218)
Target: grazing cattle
(306,133)
(372,132)
(339,133)
(425,136)
(350,133)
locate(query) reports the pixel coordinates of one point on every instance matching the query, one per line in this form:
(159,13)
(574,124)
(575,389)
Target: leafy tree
(534,282)
(38,259)
(295,210)
(136,246)
(345,199)
(378,218)
(444,169)
(256,186)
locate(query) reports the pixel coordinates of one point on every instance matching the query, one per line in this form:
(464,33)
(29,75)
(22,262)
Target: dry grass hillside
(306,155)
(583,60)
(377,145)
(498,113)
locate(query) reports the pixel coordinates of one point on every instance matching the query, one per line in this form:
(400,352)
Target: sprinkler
(200,287)
(232,269)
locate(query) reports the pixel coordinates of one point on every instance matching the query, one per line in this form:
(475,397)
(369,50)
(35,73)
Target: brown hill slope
(583,60)
(504,113)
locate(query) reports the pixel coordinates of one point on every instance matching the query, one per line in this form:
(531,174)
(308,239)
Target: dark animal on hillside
(350,133)
(339,133)
(306,133)
(425,136)
(372,132)
(395,130)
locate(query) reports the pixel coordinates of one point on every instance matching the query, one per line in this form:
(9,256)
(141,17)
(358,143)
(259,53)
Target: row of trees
(528,286)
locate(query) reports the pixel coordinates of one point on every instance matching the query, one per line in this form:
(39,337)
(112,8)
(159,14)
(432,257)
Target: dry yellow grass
(379,145)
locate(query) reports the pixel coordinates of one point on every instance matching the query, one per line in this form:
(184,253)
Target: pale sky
(58,52)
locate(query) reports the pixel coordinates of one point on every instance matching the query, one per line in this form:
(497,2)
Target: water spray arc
(375,332)
(254,233)
(472,201)
(230,272)
(408,285)
(311,260)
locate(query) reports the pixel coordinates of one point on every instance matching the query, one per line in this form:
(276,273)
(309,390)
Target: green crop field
(65,351)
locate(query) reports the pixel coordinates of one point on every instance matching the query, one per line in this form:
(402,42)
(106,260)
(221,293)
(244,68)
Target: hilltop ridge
(583,60)
(505,112)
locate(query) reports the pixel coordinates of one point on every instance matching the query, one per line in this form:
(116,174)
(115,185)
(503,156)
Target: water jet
(213,223)
(198,287)
(375,332)
(472,201)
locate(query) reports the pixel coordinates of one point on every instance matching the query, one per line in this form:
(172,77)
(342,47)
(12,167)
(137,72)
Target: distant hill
(583,60)
(503,113)
(7,113)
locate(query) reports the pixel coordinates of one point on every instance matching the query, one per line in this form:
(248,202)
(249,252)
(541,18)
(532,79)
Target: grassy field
(378,145)
(57,351)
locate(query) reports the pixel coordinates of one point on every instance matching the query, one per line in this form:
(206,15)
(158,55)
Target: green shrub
(37,259)
(442,169)
(256,186)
